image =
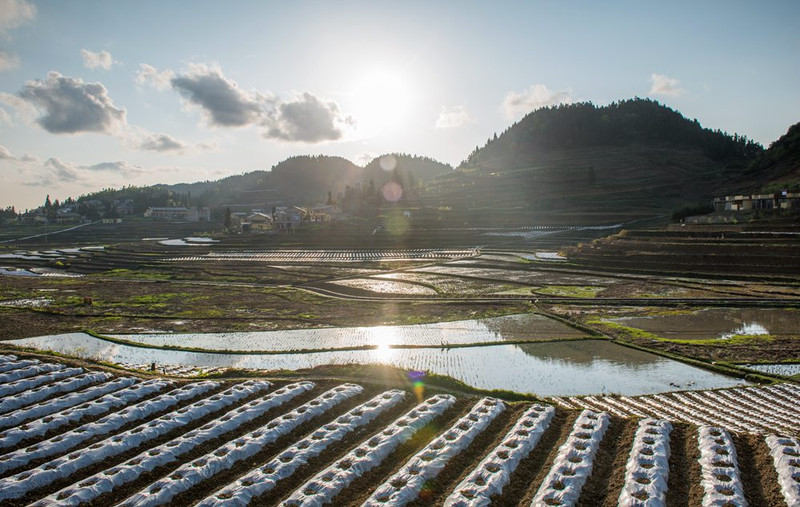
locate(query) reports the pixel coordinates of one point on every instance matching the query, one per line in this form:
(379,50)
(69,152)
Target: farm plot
(325,256)
(765,410)
(125,441)
(523,327)
(380,286)
(449,284)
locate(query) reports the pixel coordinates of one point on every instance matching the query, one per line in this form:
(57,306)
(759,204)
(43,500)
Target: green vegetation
(570,291)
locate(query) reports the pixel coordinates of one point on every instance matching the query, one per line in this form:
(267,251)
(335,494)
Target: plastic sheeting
(264,478)
(224,457)
(65,442)
(14,364)
(494,471)
(105,481)
(63,467)
(28,371)
(573,464)
(324,486)
(12,436)
(63,402)
(647,470)
(719,468)
(405,485)
(786,456)
(12,388)
(40,393)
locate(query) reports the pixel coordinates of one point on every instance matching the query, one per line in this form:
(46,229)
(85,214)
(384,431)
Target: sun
(381,101)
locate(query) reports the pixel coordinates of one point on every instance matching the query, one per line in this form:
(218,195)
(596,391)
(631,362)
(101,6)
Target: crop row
(125,441)
(328,255)
(765,409)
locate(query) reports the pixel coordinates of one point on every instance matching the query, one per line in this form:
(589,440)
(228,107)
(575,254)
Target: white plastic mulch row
(40,393)
(718,414)
(647,470)
(573,464)
(493,473)
(28,371)
(67,441)
(405,485)
(224,457)
(12,436)
(750,416)
(786,456)
(7,358)
(264,478)
(324,486)
(14,365)
(12,388)
(105,481)
(63,402)
(60,468)
(763,405)
(719,468)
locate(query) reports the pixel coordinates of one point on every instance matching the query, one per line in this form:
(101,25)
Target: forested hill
(297,180)
(586,163)
(780,164)
(624,123)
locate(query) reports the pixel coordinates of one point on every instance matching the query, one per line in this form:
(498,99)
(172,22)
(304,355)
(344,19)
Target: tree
(227,219)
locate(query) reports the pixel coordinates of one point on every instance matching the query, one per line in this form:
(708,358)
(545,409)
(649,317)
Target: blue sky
(98,94)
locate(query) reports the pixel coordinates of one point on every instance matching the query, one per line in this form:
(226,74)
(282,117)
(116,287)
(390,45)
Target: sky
(99,94)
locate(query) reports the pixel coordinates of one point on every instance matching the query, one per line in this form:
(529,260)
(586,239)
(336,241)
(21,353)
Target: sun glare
(381,99)
(382,338)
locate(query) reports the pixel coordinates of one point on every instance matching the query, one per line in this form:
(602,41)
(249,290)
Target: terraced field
(71,436)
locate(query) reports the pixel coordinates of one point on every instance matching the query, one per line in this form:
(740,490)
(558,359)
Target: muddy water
(719,323)
(545,369)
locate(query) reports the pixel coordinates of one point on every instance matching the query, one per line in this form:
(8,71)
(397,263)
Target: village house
(783,200)
(191,214)
(286,219)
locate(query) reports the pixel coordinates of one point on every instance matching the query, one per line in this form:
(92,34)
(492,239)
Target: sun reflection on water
(382,338)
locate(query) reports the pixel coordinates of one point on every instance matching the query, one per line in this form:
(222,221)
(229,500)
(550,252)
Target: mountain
(780,164)
(583,163)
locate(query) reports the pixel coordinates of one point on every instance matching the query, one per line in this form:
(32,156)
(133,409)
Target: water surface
(546,369)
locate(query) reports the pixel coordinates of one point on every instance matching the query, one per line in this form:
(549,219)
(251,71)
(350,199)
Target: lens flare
(418,385)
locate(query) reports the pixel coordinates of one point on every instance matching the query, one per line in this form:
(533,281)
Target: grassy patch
(134,275)
(735,340)
(624,331)
(570,291)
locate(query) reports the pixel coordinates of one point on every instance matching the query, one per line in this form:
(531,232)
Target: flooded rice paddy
(525,327)
(719,323)
(563,368)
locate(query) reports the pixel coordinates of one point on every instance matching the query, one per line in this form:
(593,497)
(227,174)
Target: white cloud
(161,142)
(5,154)
(664,85)
(453,117)
(68,105)
(101,60)
(224,103)
(518,104)
(55,172)
(306,118)
(15,13)
(8,61)
(149,75)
